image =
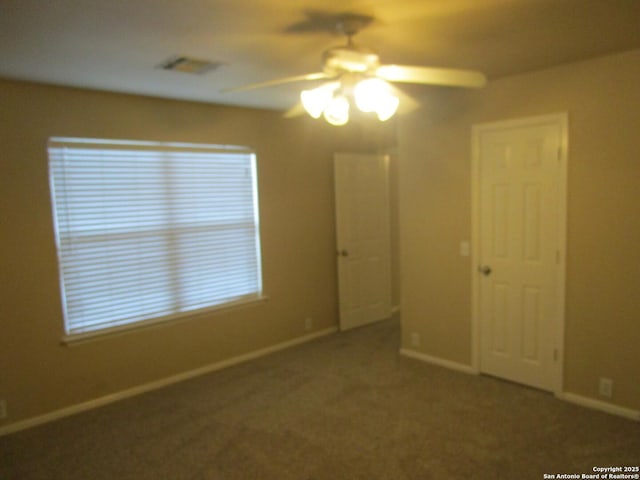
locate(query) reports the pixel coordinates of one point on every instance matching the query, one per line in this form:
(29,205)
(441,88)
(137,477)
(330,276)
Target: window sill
(81,338)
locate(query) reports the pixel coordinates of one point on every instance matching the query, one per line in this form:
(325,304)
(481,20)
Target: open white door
(519,177)
(362,236)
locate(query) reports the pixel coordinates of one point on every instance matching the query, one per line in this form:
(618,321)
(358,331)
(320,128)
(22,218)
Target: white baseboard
(567,397)
(600,405)
(441,362)
(147,387)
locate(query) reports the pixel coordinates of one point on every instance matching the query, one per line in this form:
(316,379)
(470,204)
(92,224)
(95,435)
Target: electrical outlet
(3,409)
(415,339)
(605,388)
(308,323)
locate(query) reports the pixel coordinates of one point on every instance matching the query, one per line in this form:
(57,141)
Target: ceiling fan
(354,74)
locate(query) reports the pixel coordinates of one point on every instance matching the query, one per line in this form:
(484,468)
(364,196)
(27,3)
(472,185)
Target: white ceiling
(116,45)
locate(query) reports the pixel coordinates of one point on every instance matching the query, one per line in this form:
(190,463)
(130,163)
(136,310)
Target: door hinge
(557,257)
(555,354)
(559,154)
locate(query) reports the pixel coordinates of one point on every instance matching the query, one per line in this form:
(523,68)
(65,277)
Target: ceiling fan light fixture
(316,100)
(332,100)
(337,111)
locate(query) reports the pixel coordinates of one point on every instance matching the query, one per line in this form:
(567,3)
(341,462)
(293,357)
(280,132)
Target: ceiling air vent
(180,63)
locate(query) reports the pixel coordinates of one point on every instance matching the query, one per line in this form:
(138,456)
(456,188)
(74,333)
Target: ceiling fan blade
(295,111)
(279,81)
(432,76)
(407,103)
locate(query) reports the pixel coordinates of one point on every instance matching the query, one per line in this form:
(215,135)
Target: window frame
(72,335)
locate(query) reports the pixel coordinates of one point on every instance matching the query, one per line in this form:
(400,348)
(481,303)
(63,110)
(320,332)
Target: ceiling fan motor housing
(349,59)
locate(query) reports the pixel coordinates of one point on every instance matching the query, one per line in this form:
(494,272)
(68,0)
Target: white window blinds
(148,231)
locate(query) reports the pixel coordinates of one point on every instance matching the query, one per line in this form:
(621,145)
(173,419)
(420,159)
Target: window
(152,231)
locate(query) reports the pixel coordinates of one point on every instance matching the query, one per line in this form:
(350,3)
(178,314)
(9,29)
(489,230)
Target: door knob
(343,253)
(485,270)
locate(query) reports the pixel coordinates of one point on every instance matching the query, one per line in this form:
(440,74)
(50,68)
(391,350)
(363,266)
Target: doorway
(362,238)
(519,220)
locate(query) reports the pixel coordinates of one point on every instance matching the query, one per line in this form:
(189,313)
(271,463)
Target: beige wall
(39,375)
(602,99)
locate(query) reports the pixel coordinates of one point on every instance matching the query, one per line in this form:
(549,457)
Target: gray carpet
(343,407)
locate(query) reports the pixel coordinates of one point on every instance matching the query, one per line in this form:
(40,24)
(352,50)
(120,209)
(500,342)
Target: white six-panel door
(519,174)
(362,238)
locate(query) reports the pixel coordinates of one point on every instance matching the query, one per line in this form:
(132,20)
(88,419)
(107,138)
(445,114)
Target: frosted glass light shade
(315,101)
(368,92)
(337,111)
(375,95)
(387,107)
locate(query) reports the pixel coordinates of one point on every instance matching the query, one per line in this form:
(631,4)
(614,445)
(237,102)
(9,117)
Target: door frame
(560,121)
